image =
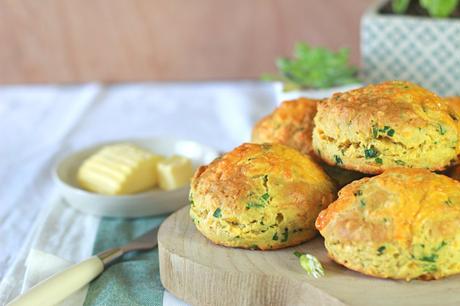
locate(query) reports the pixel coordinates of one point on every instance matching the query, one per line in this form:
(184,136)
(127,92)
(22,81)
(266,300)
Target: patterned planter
(419,49)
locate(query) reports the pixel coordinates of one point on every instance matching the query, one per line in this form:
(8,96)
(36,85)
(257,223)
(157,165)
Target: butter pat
(119,169)
(174,172)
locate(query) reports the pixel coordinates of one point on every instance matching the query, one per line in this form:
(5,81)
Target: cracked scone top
(261,196)
(402,224)
(391,124)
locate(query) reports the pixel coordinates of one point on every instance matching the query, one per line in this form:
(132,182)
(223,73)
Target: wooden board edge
(198,284)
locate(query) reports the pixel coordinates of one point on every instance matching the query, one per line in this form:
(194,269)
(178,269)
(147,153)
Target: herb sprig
(310,264)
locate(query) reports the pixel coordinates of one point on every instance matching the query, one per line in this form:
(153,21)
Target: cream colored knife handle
(59,286)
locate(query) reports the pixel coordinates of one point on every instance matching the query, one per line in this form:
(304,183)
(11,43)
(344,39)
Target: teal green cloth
(134,280)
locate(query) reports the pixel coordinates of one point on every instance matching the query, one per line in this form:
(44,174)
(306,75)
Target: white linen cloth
(39,233)
(40,124)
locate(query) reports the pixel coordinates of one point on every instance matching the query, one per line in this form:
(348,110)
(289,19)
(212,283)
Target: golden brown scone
(391,124)
(261,196)
(290,124)
(402,224)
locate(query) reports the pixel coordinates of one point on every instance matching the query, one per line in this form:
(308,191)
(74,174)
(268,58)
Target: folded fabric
(41,265)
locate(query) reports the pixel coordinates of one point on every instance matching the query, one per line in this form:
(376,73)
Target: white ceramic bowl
(152,202)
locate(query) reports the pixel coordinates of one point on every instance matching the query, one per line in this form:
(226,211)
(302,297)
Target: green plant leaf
(314,68)
(400,6)
(439,8)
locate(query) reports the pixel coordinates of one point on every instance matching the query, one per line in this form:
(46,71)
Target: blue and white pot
(423,50)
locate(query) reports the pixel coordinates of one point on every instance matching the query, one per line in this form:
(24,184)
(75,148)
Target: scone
(259,196)
(391,124)
(290,124)
(402,224)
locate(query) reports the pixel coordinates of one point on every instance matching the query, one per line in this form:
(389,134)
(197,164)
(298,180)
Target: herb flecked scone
(259,196)
(402,224)
(290,124)
(391,124)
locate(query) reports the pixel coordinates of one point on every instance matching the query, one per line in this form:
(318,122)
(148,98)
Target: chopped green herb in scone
(386,130)
(265,197)
(429,258)
(448,202)
(441,245)
(338,160)
(285,235)
(217,213)
(441,129)
(254,205)
(370,152)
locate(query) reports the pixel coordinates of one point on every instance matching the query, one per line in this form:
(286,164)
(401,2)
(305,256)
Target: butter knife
(60,285)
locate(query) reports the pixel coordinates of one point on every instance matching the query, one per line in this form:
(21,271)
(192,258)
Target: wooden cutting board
(202,273)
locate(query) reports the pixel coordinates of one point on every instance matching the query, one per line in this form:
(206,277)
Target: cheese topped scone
(402,224)
(261,196)
(119,169)
(386,125)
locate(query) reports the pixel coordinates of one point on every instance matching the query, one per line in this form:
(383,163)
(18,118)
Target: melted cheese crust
(264,196)
(402,224)
(387,125)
